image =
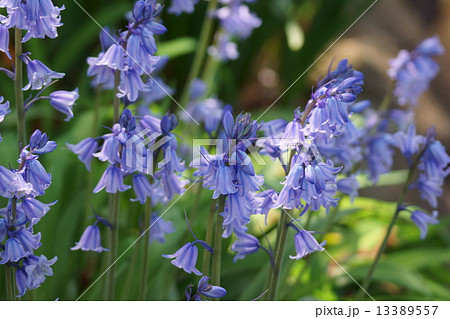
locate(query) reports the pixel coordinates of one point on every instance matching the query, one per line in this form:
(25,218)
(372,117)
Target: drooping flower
(85,150)
(413,71)
(4,41)
(237,20)
(33,273)
(306,244)
(349,186)
(205,289)
(112,180)
(225,49)
(39,75)
(422,220)
(90,240)
(409,143)
(159,228)
(39,18)
(4,109)
(186,258)
(63,101)
(177,7)
(245,244)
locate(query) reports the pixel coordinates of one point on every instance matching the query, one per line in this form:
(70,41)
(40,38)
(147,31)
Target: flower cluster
(39,18)
(132,149)
(131,53)
(21,187)
(177,7)
(237,22)
(413,71)
(432,162)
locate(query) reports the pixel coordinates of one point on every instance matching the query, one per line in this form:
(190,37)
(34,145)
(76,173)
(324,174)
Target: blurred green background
(293,35)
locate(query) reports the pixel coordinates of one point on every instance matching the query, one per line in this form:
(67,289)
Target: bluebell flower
(266,199)
(33,273)
(225,49)
(113,58)
(4,41)
(186,258)
(238,207)
(306,244)
(12,184)
(19,245)
(349,186)
(4,109)
(173,183)
(379,154)
(177,7)
(110,148)
(132,84)
(63,101)
(197,89)
(40,20)
(90,240)
(34,209)
(293,135)
(159,228)
(244,245)
(112,180)
(414,70)
(37,175)
(409,143)
(309,181)
(422,219)
(430,188)
(142,188)
(103,75)
(435,159)
(224,182)
(272,141)
(205,289)
(85,150)
(237,20)
(39,75)
(14,251)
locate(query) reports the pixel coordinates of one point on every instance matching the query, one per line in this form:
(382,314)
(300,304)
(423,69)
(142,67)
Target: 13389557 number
(406,310)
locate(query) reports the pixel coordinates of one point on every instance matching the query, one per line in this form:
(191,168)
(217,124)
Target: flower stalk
(398,209)
(18,85)
(145,262)
(217,256)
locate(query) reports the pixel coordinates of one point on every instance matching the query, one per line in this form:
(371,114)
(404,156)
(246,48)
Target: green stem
(206,266)
(368,279)
(114,211)
(9,283)
(145,266)
(280,243)
(18,85)
(217,256)
(200,53)
(114,218)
